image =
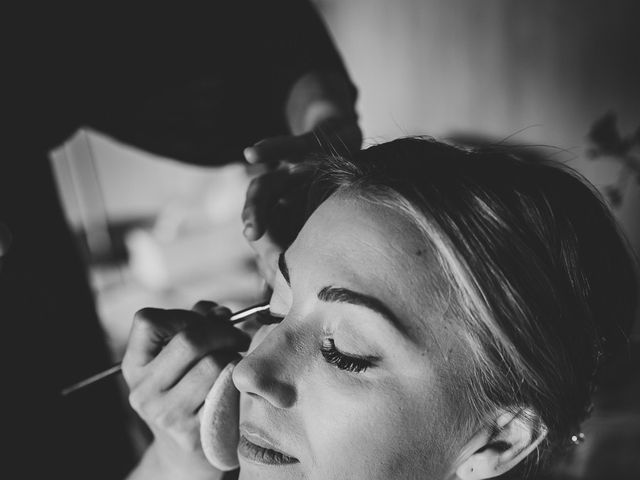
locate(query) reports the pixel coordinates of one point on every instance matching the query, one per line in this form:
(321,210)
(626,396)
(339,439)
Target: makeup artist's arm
(172,360)
(320,110)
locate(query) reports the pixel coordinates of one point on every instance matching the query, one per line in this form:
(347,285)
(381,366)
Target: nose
(267,371)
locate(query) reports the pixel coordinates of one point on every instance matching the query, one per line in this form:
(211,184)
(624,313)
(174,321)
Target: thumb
(286,147)
(267,253)
(151,330)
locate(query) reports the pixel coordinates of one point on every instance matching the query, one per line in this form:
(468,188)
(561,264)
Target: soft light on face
(356,381)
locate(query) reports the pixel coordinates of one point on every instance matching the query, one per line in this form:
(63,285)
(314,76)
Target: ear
(499,447)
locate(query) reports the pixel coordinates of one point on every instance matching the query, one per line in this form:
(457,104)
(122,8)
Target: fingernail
(250,154)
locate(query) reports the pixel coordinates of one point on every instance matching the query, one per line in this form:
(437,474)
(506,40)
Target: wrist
(160,463)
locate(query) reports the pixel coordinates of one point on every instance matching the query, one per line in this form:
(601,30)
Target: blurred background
(563,74)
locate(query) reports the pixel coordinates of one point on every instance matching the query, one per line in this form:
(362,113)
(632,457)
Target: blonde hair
(544,284)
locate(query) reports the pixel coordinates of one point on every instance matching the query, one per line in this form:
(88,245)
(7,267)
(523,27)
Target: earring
(578,438)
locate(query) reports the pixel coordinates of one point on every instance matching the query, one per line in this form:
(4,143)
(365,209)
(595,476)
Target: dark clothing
(232,475)
(198,86)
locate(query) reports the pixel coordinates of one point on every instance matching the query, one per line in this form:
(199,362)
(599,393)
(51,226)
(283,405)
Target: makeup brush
(238,317)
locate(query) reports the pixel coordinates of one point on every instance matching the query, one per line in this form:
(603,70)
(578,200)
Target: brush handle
(238,317)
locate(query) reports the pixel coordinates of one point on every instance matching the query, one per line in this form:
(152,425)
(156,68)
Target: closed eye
(341,360)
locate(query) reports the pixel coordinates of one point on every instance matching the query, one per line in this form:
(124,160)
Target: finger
(191,391)
(188,346)
(267,253)
(266,191)
(219,313)
(151,330)
(203,307)
(261,195)
(280,148)
(211,310)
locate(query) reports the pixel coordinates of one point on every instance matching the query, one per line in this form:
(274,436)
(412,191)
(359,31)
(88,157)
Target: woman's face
(358,380)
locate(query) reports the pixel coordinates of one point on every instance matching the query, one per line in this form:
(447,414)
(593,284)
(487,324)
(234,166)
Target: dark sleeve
(215,83)
(232,475)
(303,44)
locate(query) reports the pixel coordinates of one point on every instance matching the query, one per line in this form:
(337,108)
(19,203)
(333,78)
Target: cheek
(374,430)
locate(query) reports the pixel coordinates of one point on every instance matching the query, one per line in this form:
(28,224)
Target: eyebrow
(284,270)
(344,295)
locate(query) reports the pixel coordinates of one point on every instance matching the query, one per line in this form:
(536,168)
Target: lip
(257,447)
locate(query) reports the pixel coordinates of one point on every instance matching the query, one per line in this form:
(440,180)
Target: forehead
(371,248)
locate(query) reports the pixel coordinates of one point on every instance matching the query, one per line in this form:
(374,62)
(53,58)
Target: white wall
(495,67)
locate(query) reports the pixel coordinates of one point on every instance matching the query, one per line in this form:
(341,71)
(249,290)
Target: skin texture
(393,420)
(321,116)
(172,361)
(320,112)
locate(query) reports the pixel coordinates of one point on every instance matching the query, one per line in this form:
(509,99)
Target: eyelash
(328,348)
(344,362)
